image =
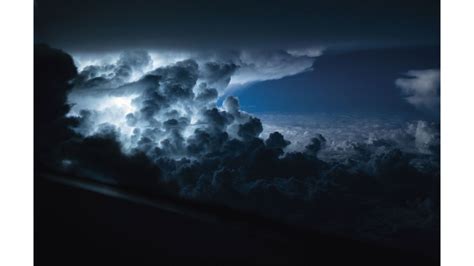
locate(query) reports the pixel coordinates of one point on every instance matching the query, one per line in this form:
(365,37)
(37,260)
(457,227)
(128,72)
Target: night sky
(106,25)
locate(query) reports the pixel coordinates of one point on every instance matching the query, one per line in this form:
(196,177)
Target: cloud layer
(218,69)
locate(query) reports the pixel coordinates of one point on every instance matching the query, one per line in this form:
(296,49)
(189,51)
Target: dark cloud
(317,143)
(217,75)
(100,157)
(166,134)
(53,69)
(206,94)
(179,79)
(250,129)
(276,141)
(216,120)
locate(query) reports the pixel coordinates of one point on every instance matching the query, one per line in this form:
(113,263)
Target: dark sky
(113,25)
(347,82)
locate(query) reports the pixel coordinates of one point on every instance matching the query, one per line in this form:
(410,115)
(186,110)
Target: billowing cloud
(218,75)
(421,88)
(163,132)
(220,70)
(128,67)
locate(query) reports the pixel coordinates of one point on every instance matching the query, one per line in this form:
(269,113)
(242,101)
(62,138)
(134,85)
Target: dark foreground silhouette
(79,222)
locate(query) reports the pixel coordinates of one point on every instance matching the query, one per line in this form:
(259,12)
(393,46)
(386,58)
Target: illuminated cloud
(166,105)
(164,133)
(220,70)
(163,107)
(259,66)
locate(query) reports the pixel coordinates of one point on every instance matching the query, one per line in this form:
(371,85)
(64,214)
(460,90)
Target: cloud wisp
(421,88)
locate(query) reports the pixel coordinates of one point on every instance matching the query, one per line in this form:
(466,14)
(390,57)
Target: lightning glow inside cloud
(157,126)
(166,97)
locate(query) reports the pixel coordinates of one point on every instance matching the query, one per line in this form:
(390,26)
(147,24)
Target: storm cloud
(161,131)
(220,70)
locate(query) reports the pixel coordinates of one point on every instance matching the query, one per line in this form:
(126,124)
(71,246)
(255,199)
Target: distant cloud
(421,88)
(269,65)
(342,132)
(309,51)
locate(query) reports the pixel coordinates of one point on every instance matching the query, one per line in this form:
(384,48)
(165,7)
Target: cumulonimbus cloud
(221,70)
(164,132)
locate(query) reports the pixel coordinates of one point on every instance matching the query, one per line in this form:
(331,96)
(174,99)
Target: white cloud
(421,88)
(260,66)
